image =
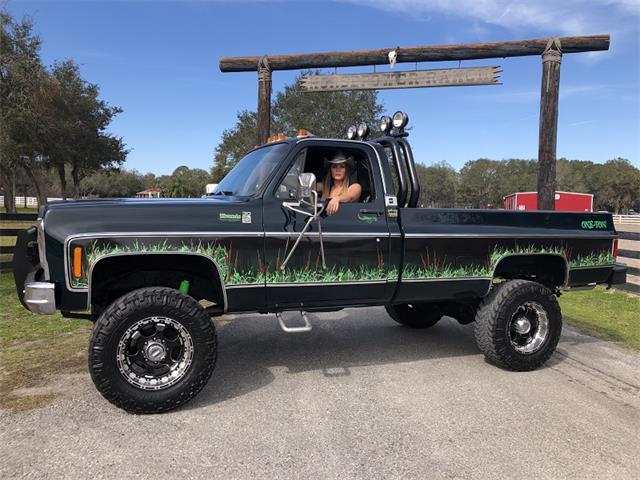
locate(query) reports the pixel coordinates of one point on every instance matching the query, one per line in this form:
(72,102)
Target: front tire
(518,325)
(415,315)
(152,350)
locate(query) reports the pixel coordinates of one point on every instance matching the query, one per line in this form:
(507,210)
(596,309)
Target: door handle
(365,211)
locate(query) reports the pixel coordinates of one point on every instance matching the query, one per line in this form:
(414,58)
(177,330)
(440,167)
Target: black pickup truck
(150,274)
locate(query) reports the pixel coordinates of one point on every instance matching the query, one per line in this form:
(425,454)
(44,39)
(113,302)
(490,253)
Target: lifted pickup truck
(151,273)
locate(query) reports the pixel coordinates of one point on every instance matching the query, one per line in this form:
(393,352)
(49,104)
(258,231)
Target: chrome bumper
(40,297)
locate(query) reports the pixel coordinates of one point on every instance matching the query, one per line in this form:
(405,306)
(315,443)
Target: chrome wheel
(528,328)
(155,353)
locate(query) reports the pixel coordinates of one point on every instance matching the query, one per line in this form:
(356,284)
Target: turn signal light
(77,262)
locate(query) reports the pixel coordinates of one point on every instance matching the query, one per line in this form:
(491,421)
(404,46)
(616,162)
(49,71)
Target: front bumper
(40,297)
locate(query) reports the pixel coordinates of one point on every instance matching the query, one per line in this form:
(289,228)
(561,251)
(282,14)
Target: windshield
(250,174)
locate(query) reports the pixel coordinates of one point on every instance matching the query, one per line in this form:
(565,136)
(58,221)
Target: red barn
(565,201)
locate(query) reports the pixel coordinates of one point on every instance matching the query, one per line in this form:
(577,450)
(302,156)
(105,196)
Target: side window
(315,159)
(288,189)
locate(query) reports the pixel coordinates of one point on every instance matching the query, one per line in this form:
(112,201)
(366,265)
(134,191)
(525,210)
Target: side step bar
(305,328)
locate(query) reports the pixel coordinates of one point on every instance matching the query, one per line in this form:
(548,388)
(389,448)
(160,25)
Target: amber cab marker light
(77,262)
(303,133)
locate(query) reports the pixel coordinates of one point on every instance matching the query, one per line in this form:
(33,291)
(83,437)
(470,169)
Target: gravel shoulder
(358,397)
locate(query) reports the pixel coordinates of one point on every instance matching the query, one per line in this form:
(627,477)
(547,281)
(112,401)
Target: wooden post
(551,59)
(264,101)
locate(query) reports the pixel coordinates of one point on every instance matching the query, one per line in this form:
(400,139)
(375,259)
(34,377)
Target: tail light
(614,252)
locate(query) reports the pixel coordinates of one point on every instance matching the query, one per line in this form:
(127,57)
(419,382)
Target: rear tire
(415,315)
(518,325)
(152,350)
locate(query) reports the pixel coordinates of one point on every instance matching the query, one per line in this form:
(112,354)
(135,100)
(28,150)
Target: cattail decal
(229,261)
(260,266)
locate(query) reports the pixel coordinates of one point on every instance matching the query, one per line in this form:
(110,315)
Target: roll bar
(413,173)
(401,170)
(405,166)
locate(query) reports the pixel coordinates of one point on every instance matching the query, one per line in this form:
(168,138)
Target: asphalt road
(358,397)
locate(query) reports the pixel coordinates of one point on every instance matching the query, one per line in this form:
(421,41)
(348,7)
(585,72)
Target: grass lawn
(609,314)
(33,348)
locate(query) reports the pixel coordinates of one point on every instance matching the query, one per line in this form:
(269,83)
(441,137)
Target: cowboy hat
(338,158)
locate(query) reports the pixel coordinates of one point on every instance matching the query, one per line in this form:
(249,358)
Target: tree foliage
(51,118)
(185,182)
(484,183)
(438,185)
(325,114)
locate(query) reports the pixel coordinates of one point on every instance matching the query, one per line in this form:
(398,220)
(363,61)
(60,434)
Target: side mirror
(307,183)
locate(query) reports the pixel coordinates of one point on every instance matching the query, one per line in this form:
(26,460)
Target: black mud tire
(414,315)
(494,317)
(127,310)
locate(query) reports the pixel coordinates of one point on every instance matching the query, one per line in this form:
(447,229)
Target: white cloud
(568,17)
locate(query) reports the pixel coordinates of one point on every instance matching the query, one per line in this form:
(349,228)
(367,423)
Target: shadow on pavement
(249,346)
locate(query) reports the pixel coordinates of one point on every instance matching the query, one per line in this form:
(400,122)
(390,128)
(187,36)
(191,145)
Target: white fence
(627,219)
(30,201)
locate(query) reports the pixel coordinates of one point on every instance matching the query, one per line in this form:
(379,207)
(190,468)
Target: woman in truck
(336,187)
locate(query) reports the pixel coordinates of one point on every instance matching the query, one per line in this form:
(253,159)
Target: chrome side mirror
(307,183)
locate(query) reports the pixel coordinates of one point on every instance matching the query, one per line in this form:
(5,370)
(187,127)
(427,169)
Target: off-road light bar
(400,120)
(386,124)
(363,131)
(351,132)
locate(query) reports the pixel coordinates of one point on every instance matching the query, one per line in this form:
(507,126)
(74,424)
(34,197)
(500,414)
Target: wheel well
(548,269)
(112,277)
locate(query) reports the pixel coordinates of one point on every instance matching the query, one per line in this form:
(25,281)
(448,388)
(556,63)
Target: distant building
(565,201)
(149,193)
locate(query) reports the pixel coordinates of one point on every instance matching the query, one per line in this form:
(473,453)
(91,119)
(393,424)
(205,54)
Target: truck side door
(355,239)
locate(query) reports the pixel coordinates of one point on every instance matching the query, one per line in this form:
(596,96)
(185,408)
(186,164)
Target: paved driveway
(358,397)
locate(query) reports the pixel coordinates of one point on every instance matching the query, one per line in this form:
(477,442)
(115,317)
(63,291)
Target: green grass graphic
(227,261)
(431,266)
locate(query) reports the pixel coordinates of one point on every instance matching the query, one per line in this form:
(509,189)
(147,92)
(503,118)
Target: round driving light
(385,124)
(400,120)
(363,131)
(351,132)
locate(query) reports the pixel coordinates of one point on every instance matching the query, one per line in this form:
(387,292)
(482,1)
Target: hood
(65,218)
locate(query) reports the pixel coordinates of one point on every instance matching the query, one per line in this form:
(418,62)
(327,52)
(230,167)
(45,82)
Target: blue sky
(158,60)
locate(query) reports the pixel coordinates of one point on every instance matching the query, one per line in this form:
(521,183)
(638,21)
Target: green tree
(438,185)
(477,182)
(236,142)
(112,182)
(49,119)
(325,114)
(616,186)
(22,87)
(78,137)
(185,183)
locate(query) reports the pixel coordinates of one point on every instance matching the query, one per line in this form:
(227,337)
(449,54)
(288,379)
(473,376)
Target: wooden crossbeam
(437,53)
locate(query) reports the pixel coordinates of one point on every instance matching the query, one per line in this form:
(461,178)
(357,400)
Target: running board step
(305,328)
